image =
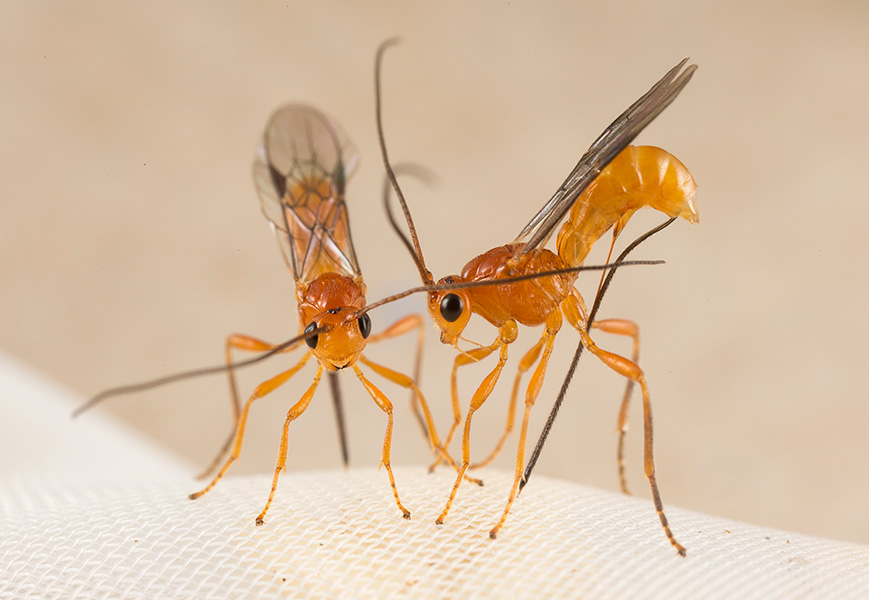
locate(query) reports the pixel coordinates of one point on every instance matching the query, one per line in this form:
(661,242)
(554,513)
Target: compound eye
(365,325)
(451,307)
(311,341)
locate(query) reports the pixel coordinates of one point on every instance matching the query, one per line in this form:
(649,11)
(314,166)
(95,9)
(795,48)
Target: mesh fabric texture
(124,528)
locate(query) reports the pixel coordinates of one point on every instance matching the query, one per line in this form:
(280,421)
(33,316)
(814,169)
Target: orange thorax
(529,302)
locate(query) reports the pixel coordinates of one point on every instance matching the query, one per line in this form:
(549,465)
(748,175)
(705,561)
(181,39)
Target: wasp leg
(297,409)
(386,406)
(261,390)
(401,327)
(237,342)
(627,328)
(431,434)
(507,336)
(526,363)
(553,325)
(621,365)
(405,381)
(462,359)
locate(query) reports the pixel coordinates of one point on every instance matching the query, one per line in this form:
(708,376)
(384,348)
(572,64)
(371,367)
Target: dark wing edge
(605,148)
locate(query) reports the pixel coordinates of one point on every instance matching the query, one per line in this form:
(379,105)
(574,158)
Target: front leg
(508,334)
(464,358)
(526,363)
(401,327)
(294,413)
(405,381)
(386,406)
(261,390)
(247,344)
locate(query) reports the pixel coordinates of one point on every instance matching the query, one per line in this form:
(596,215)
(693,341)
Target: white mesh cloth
(66,533)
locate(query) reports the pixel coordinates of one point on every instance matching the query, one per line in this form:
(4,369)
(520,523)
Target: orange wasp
(300,171)
(610,182)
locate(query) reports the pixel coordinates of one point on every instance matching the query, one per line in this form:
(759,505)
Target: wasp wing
(605,148)
(300,172)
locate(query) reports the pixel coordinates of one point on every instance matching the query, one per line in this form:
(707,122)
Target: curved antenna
(426,176)
(416,251)
(529,466)
(167,379)
(462,285)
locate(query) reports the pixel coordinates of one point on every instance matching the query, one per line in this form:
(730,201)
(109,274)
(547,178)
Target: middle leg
(553,325)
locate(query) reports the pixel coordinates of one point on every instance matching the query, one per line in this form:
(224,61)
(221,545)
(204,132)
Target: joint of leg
(509,332)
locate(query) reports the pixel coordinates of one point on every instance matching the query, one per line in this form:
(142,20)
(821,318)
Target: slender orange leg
(629,369)
(553,325)
(297,409)
(508,334)
(628,328)
(401,327)
(405,381)
(386,406)
(238,342)
(261,390)
(420,406)
(526,363)
(465,358)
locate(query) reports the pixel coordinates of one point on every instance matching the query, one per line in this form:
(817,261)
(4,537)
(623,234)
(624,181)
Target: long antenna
(416,252)
(603,150)
(462,285)
(167,379)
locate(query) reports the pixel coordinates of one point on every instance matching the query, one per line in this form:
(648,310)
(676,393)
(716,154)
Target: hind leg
(621,365)
(631,329)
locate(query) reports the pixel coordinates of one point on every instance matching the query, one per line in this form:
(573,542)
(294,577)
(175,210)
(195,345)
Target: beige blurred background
(131,240)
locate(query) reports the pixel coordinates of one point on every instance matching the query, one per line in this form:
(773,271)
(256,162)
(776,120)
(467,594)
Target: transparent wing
(606,147)
(300,170)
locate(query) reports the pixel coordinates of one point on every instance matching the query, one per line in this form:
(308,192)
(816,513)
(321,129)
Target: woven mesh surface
(339,535)
(78,521)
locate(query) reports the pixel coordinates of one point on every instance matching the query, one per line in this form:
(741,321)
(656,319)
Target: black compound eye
(451,307)
(311,341)
(365,325)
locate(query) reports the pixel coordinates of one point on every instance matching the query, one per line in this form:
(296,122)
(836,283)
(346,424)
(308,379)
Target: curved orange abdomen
(639,176)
